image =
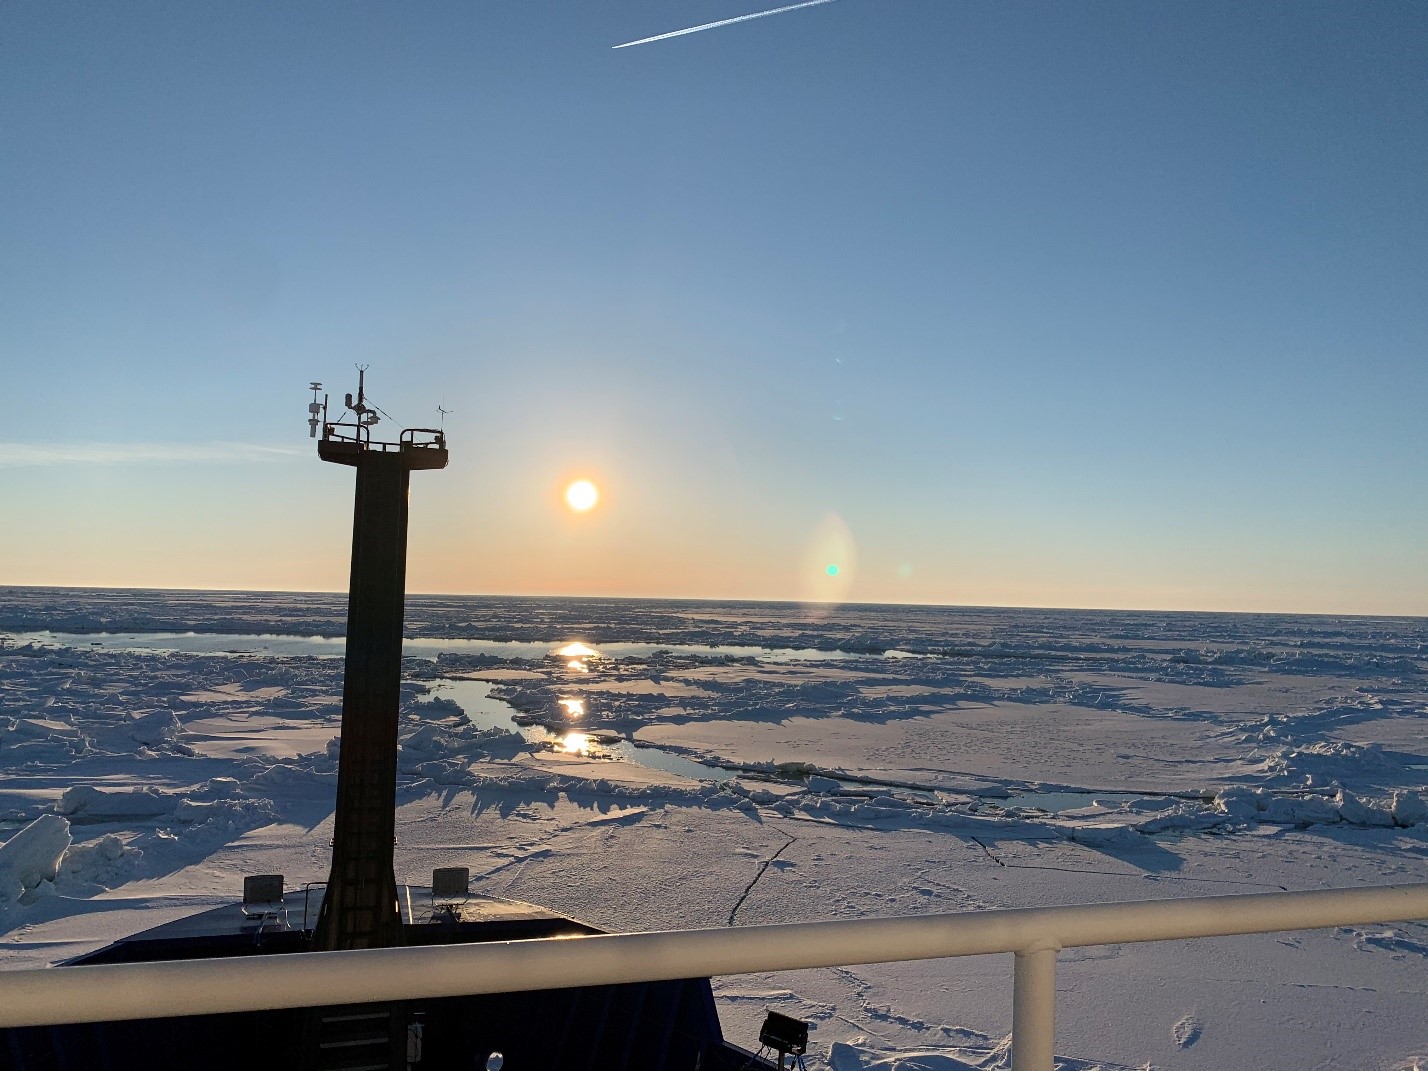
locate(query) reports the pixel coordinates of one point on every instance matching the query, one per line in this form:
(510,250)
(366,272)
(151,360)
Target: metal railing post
(1034,1010)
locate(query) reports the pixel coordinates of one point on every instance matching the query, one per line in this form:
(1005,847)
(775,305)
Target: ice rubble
(89,802)
(31,858)
(43,858)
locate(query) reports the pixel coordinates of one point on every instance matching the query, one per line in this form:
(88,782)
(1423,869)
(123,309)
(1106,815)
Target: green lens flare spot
(832,570)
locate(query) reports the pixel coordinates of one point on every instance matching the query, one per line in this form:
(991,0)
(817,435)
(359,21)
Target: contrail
(14,455)
(721,22)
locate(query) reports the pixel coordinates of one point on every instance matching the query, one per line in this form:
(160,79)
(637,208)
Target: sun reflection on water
(574,708)
(575,743)
(576,654)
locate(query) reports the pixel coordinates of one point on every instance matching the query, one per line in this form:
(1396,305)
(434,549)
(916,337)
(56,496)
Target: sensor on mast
(366,414)
(314,408)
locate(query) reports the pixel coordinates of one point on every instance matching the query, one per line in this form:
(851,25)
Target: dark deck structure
(656,1026)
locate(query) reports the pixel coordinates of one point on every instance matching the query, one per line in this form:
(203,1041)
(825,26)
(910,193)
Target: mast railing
(349,431)
(252,983)
(432,439)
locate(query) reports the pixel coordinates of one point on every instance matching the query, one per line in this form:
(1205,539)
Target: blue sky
(1113,304)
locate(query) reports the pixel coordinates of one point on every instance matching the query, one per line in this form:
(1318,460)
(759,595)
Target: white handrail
(252,983)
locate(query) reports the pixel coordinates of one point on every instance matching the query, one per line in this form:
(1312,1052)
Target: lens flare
(829,566)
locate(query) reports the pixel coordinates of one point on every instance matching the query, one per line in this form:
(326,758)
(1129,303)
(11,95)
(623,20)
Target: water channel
(488,712)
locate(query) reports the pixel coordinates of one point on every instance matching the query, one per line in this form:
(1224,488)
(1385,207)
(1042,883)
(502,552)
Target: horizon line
(726,599)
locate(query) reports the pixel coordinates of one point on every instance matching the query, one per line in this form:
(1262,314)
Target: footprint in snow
(1187,1031)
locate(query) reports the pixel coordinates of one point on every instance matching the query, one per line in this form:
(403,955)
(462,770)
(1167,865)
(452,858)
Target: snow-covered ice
(728,764)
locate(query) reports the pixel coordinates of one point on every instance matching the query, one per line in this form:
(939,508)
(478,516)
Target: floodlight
(784,1034)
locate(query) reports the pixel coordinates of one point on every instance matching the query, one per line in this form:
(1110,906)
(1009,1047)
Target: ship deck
(655,1026)
(236,929)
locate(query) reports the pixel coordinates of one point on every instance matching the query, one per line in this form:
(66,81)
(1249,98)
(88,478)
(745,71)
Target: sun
(582,495)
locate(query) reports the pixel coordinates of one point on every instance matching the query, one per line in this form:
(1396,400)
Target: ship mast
(360,908)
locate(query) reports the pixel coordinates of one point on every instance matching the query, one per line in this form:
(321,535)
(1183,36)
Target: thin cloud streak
(722,22)
(18,455)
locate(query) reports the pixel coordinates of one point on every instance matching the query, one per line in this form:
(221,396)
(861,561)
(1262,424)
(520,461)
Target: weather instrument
(367,415)
(316,411)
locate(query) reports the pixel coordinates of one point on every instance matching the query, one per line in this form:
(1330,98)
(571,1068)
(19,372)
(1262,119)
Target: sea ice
(31,858)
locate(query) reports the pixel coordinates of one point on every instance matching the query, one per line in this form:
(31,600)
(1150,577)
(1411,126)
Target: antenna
(366,414)
(443,411)
(348,435)
(314,407)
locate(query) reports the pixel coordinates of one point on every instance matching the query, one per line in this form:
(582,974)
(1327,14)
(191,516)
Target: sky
(1113,304)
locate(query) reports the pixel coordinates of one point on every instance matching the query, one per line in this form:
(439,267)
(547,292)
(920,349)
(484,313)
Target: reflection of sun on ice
(582,496)
(575,743)
(574,708)
(577,653)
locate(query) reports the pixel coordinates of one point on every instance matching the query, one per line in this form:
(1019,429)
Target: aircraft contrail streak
(721,22)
